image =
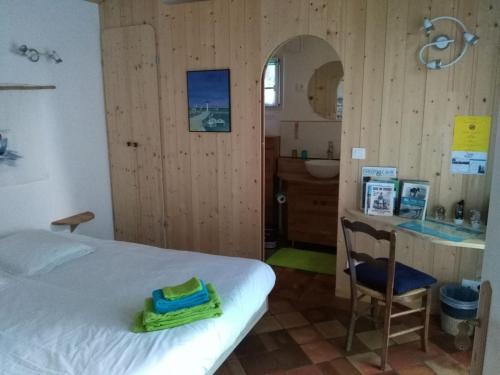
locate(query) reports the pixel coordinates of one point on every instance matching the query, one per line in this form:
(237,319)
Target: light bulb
(428,26)
(434,64)
(470,38)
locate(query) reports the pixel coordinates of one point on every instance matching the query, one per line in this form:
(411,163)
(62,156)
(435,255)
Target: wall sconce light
(34,55)
(442,42)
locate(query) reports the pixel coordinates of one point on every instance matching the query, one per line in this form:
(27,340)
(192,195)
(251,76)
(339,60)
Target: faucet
(329,152)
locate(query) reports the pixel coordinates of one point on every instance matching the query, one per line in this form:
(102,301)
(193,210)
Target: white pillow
(38,251)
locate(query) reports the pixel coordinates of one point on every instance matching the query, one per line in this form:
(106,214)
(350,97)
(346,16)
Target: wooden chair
(377,278)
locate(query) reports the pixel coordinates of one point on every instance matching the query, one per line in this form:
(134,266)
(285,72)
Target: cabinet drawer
(314,229)
(310,200)
(321,205)
(312,223)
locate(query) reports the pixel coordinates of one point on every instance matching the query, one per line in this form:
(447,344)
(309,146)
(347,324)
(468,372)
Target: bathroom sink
(323,168)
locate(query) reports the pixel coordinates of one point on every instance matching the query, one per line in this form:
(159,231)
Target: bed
(76,318)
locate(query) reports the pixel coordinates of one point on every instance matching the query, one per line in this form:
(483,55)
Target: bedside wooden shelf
(75,220)
(18,86)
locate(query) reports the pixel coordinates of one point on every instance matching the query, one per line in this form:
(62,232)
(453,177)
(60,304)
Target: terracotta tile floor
(304,331)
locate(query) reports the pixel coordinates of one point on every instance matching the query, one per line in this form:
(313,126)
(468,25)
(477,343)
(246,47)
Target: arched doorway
(302,103)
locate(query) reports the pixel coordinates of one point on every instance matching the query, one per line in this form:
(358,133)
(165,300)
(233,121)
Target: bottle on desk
(459,213)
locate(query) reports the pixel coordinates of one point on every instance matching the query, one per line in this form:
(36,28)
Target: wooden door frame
(263,137)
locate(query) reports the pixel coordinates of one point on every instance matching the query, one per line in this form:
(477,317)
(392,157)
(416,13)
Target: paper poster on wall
(22,140)
(471,139)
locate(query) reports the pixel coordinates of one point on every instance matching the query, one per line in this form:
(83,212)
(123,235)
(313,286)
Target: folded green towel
(191,286)
(149,320)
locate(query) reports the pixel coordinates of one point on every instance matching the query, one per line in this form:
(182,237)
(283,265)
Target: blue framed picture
(209,100)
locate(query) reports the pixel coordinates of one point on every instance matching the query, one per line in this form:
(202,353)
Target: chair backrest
(349,227)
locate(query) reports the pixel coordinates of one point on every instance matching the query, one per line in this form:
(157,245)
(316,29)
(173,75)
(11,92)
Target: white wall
(71,117)
(299,58)
(491,264)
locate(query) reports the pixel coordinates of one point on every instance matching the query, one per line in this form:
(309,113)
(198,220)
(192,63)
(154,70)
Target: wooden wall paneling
(237,56)
(494,40)
(123,164)
(353,61)
(177,139)
(373,80)
(426,108)
(269,26)
(196,140)
(405,246)
(423,254)
(335,26)
(446,263)
(252,132)
(210,205)
(450,189)
(470,264)
(294,23)
(281,21)
(227,239)
(394,84)
(414,92)
(109,12)
(116,13)
(204,145)
(462,74)
(318,18)
(167,112)
(126,12)
(143,11)
(448,186)
(483,92)
(130,58)
(146,128)
(371,107)
(436,113)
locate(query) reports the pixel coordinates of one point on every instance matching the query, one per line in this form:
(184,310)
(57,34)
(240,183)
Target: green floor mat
(304,260)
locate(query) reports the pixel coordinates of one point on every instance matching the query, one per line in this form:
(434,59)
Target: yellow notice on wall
(471,139)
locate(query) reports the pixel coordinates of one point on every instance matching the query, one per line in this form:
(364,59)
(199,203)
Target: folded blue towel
(163,305)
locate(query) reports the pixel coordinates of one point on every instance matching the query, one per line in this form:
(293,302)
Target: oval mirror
(323,90)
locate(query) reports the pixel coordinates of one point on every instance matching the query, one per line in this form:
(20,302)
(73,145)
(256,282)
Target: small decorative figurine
(459,212)
(475,219)
(440,213)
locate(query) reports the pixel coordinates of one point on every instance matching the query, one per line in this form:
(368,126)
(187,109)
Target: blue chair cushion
(406,278)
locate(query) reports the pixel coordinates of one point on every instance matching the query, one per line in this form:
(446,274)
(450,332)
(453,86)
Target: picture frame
(209,100)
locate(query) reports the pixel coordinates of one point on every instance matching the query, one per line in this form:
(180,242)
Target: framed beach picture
(209,100)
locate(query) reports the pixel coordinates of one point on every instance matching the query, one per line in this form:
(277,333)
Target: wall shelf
(18,86)
(392,222)
(75,220)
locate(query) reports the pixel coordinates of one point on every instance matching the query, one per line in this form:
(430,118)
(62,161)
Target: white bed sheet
(76,319)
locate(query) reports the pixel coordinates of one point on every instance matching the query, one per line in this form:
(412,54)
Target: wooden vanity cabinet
(272,153)
(312,213)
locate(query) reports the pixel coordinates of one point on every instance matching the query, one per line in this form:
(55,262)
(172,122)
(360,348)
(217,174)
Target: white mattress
(76,318)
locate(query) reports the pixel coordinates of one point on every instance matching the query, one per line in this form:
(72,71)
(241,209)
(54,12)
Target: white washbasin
(323,168)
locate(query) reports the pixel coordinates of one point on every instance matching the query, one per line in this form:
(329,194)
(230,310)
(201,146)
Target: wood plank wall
(133,124)
(402,114)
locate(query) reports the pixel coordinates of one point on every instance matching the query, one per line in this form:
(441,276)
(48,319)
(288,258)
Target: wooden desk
(447,261)
(392,222)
